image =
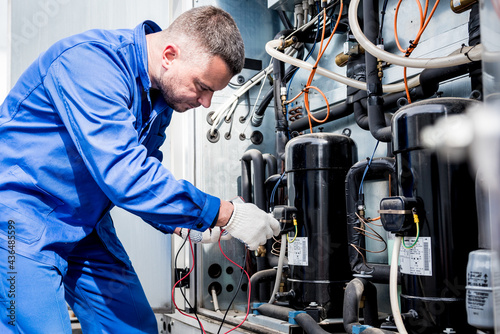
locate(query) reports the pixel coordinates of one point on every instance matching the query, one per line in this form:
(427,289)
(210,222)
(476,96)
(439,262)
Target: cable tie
(462,48)
(467,53)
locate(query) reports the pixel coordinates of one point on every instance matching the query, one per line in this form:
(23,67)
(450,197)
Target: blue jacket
(80,133)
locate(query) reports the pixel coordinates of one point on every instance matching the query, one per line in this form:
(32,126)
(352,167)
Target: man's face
(187,85)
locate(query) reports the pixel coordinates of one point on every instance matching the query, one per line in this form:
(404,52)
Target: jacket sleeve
(91,89)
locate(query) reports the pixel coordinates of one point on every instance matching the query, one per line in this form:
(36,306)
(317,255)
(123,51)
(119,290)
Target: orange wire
(413,44)
(422,18)
(313,71)
(407,90)
(309,114)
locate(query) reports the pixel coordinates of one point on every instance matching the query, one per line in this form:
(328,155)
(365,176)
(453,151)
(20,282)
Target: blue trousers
(104,293)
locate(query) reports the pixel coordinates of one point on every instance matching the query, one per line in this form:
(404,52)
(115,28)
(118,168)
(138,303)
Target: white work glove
(210,235)
(251,225)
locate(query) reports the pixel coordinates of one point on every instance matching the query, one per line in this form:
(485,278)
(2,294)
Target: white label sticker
(297,252)
(418,259)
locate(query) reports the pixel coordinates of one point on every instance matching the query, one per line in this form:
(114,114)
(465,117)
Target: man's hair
(212,30)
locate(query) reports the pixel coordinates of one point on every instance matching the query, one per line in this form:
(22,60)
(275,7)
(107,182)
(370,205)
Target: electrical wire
(416,221)
(181,279)
(384,9)
(275,251)
(362,255)
(296,230)
(271,200)
(237,290)
(372,235)
(239,284)
(424,21)
(366,169)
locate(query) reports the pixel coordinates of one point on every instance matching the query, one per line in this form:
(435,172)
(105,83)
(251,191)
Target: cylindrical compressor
(316,166)
(434,269)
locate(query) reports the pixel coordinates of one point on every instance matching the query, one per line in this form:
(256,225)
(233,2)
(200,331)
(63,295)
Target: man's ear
(169,54)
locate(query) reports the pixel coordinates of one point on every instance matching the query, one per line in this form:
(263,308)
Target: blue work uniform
(79,133)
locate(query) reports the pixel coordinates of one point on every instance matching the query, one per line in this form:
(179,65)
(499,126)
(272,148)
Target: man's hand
(210,235)
(251,225)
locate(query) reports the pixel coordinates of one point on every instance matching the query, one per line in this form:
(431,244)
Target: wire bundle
(189,272)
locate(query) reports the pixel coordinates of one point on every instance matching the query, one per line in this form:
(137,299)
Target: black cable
(180,288)
(236,293)
(384,8)
(284,19)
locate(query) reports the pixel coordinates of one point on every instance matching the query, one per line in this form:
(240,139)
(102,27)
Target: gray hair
(212,30)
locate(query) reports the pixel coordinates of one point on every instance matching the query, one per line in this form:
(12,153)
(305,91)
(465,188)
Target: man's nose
(205,98)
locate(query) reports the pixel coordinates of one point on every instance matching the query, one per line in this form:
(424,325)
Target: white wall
(4,51)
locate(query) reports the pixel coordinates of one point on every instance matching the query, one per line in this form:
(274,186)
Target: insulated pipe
(465,55)
(271,164)
(393,287)
(275,311)
(392,88)
(360,115)
(356,69)
(279,85)
(430,78)
(260,276)
(310,326)
(280,268)
(375,103)
(475,68)
(380,169)
(354,291)
(258,198)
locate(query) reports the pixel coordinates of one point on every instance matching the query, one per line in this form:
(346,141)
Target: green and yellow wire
(416,221)
(296,230)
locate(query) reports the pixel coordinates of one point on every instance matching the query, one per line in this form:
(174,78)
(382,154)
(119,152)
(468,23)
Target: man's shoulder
(112,39)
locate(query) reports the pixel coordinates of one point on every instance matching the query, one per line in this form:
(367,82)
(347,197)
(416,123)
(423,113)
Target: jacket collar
(140,33)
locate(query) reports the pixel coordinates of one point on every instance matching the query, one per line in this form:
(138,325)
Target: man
(79,133)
